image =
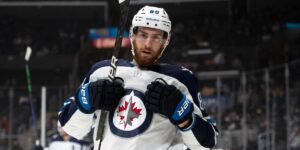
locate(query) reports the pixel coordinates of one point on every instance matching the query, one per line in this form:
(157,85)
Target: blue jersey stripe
(68,111)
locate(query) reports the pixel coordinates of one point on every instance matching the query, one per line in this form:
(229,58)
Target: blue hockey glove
(101,94)
(169,101)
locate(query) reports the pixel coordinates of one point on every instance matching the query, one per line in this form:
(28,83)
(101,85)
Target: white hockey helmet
(152,17)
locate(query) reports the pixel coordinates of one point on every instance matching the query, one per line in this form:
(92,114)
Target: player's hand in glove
(169,101)
(102,94)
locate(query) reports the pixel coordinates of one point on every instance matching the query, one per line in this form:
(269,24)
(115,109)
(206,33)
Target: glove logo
(83,97)
(183,107)
(131,117)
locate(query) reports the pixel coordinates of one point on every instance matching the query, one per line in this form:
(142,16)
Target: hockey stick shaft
(124,7)
(29,87)
(30,98)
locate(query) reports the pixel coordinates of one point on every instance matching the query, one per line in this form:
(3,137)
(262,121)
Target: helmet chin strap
(132,48)
(165,45)
(131,38)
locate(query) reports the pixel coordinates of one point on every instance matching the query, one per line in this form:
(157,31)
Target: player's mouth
(146,53)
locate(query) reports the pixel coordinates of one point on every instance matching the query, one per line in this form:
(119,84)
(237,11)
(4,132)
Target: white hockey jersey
(58,143)
(131,126)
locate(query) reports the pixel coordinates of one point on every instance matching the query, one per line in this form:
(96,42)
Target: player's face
(148,44)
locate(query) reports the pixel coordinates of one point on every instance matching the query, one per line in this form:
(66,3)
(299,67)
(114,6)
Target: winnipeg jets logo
(128,112)
(131,117)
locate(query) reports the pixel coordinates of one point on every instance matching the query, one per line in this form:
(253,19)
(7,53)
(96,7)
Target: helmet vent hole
(155,24)
(147,23)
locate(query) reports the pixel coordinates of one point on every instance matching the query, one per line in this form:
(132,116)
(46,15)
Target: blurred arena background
(245,53)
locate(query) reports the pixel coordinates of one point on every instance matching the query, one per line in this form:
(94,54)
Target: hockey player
(156,106)
(63,141)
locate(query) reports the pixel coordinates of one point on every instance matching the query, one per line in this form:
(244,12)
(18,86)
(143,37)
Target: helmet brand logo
(151,19)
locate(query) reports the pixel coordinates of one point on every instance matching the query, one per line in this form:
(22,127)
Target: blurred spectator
(63,141)
(4,126)
(294,138)
(16,145)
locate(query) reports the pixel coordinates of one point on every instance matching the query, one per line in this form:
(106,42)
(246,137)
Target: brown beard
(144,63)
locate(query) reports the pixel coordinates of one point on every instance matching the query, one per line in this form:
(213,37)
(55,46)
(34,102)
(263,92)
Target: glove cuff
(183,111)
(188,116)
(83,101)
(189,125)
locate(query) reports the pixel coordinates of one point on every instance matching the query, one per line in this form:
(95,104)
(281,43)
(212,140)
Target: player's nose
(148,43)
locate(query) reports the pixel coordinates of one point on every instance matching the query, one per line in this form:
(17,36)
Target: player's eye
(157,39)
(142,36)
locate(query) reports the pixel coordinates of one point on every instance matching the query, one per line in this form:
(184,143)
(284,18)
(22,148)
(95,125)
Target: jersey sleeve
(76,123)
(202,131)
(71,119)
